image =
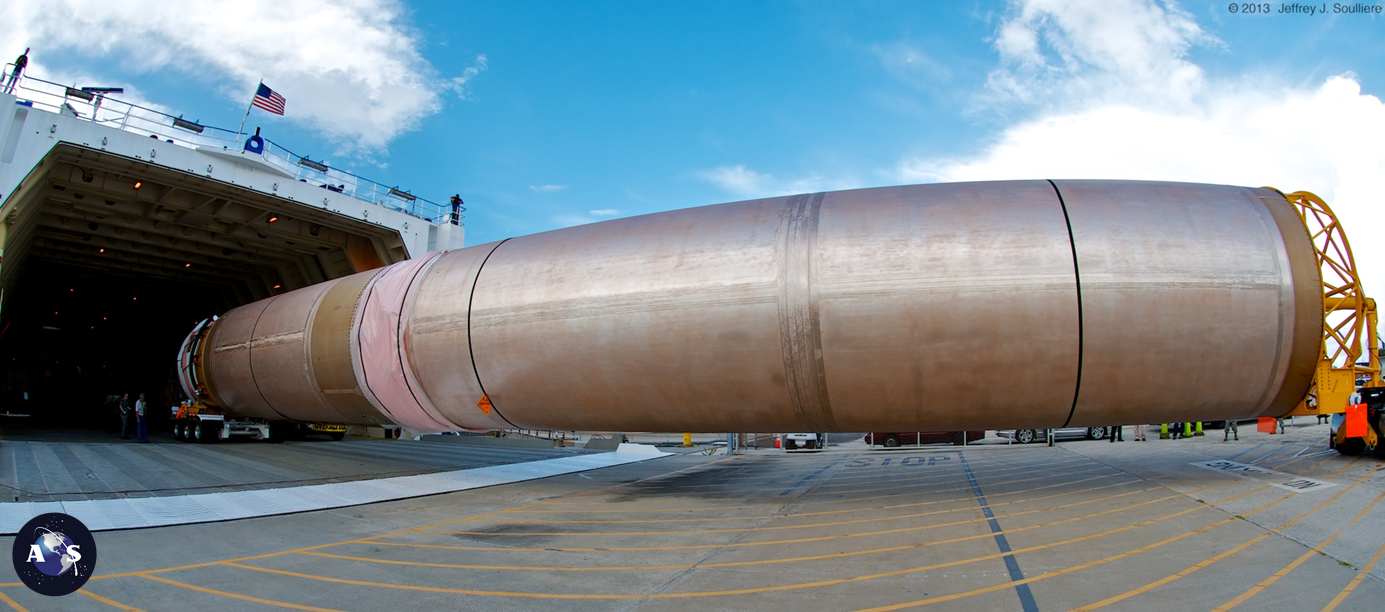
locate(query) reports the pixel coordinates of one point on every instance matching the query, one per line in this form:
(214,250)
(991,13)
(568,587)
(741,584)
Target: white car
(1025,436)
(805,441)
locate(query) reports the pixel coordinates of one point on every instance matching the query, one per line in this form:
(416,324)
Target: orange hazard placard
(484,404)
(1265,425)
(1355,426)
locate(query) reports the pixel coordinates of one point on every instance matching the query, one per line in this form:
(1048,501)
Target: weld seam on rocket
(381,366)
(308,350)
(250,355)
(1077,282)
(799,332)
(1281,269)
(406,368)
(470,333)
(358,343)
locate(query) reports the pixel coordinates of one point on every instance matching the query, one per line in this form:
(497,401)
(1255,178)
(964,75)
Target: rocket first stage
(995,305)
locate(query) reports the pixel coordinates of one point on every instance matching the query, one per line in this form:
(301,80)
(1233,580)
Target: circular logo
(54,554)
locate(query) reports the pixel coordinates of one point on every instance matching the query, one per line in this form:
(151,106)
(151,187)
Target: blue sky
(544,115)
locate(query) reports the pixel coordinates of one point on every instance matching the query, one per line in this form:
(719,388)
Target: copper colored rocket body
(928,307)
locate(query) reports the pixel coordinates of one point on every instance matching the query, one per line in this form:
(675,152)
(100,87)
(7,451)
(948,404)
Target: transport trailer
(201,423)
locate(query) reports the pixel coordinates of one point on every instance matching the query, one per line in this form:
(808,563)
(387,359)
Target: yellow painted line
(1360,575)
(1204,564)
(1342,469)
(971,498)
(1054,574)
(114,604)
(966,488)
(810,525)
(700,519)
(1015,583)
(775,542)
(1167,579)
(14,605)
(1315,465)
(268,602)
(410,587)
(882,484)
(787,587)
(849,474)
(989,485)
(367,539)
(1301,458)
(855,553)
(695,509)
(145,573)
(1263,584)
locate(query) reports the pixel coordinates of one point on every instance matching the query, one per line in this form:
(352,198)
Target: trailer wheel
(278,432)
(177,430)
(1352,446)
(204,433)
(891,441)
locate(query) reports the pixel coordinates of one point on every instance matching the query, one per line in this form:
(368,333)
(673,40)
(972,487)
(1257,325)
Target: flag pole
(241,130)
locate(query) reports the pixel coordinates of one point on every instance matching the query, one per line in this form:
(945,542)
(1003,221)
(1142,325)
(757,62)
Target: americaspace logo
(54,554)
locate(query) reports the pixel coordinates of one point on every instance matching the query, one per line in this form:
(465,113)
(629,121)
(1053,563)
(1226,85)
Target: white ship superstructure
(94,182)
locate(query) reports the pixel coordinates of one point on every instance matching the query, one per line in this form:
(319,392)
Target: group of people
(138,412)
(1116,433)
(1178,431)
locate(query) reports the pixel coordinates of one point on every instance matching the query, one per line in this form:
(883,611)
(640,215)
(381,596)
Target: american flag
(266,98)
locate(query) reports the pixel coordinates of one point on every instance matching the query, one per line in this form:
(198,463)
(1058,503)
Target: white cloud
(605,212)
(744,182)
(1145,112)
(349,69)
(1113,50)
(547,188)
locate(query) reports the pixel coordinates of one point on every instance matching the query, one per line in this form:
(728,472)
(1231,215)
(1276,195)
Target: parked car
(1025,436)
(893,439)
(805,441)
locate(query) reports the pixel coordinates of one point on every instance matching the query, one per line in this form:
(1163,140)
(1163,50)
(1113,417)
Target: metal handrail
(110,112)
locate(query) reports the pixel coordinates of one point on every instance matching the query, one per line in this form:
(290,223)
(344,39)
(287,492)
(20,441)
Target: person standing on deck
(20,63)
(143,426)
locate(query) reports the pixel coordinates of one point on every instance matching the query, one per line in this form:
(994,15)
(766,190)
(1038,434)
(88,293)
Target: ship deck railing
(110,112)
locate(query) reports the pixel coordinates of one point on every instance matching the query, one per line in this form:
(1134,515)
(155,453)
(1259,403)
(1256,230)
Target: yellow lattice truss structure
(1348,315)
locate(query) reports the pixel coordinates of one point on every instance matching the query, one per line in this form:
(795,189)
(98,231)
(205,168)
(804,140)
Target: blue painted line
(1244,452)
(810,477)
(1022,590)
(1262,457)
